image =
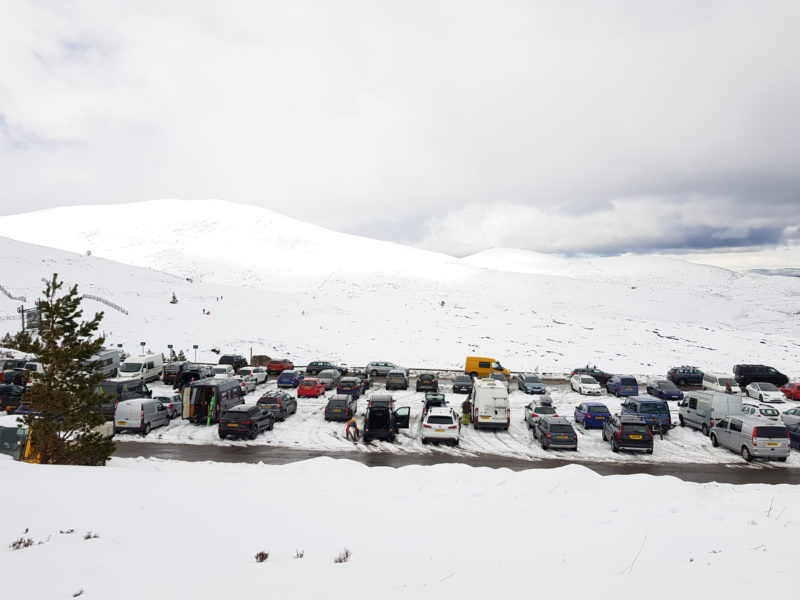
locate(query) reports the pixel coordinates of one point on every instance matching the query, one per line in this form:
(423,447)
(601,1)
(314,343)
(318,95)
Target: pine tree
(174,299)
(181,355)
(63,395)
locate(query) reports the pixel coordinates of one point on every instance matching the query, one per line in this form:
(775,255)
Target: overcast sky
(563,126)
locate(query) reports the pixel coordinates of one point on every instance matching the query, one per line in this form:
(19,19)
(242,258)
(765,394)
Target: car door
(733,435)
(402,416)
(580,413)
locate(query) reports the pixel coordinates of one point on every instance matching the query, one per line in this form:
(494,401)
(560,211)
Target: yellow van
(479,366)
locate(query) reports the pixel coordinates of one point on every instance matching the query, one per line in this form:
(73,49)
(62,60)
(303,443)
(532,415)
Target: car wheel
(746,454)
(474,375)
(222,436)
(283,415)
(424,440)
(649,450)
(704,429)
(146,429)
(714,441)
(761,397)
(605,438)
(616,393)
(166,423)
(544,446)
(614,446)
(584,424)
(781,459)
(681,421)
(271,425)
(682,382)
(254,432)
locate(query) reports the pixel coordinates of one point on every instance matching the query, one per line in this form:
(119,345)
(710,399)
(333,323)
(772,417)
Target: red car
(310,387)
(791,391)
(279,366)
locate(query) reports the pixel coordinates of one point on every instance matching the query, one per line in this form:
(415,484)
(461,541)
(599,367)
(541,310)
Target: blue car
(290,378)
(622,385)
(794,435)
(654,412)
(666,390)
(591,414)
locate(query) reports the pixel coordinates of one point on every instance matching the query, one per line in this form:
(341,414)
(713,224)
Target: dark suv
(685,375)
(628,432)
(245,420)
(383,423)
(279,403)
(427,382)
(747,374)
(237,361)
(10,397)
(433,399)
(316,367)
(600,377)
(654,412)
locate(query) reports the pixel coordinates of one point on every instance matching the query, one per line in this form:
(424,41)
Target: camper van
(490,409)
(147,367)
(211,397)
(107,362)
(702,410)
(479,366)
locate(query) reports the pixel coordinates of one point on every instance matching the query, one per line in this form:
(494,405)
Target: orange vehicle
(310,386)
(279,366)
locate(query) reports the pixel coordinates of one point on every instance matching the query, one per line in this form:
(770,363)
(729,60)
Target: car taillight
(456,427)
(712,421)
(534,416)
(426,426)
(141,416)
(618,435)
(547,435)
(755,435)
(246,422)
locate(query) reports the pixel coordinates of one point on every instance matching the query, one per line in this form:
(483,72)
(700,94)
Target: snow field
(191,530)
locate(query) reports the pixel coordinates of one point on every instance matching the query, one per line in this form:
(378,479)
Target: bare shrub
(299,553)
(343,557)
(66,531)
(78,593)
(262,556)
(21,542)
(90,535)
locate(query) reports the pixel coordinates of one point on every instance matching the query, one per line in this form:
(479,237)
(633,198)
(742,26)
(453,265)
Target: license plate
(484,418)
(233,424)
(772,444)
(636,437)
(337,410)
(599,418)
(562,437)
(439,430)
(122,422)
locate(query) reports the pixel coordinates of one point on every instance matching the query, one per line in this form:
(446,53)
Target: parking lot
(307,430)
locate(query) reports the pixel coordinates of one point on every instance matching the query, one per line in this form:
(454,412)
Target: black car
(383,423)
(173,371)
(316,367)
(555,432)
(427,382)
(747,374)
(10,397)
(627,432)
(237,361)
(245,420)
(794,435)
(685,375)
(341,407)
(15,376)
(600,376)
(432,399)
(462,384)
(279,403)
(384,400)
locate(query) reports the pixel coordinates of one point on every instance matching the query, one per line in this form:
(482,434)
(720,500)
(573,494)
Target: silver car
(381,369)
(752,437)
(173,404)
(329,378)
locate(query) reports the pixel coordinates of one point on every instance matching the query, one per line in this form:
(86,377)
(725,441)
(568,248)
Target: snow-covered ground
(191,530)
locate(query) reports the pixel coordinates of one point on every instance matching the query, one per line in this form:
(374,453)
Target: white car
(260,373)
(764,411)
(249,383)
(173,404)
(791,416)
(441,424)
(222,372)
(585,385)
(765,392)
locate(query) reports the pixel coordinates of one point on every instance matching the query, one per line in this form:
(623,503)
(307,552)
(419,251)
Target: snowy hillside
(292,289)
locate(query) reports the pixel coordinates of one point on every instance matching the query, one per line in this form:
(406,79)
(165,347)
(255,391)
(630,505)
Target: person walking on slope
(352,432)
(466,411)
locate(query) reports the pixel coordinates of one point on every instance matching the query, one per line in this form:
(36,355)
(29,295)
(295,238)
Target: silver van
(752,437)
(140,415)
(701,410)
(719,382)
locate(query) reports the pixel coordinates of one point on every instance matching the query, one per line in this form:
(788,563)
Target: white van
(107,362)
(141,414)
(718,382)
(223,372)
(702,410)
(490,405)
(147,367)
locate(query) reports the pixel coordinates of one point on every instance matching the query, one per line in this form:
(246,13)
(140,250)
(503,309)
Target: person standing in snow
(466,411)
(352,432)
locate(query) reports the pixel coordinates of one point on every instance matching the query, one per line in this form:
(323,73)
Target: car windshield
(236,415)
(666,385)
(726,381)
(767,387)
(337,403)
(627,381)
(308,382)
(768,412)
(545,410)
(635,429)
(558,428)
(348,381)
(532,379)
(770,432)
(463,379)
(130,367)
(598,409)
(653,408)
(588,380)
(219,370)
(440,419)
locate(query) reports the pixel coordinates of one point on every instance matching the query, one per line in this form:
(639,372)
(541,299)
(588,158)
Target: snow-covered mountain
(294,289)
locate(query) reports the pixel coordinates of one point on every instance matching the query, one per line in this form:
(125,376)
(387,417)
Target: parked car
(223,372)
(329,378)
(622,385)
(760,411)
(480,366)
(206,400)
(794,435)
(310,386)
(490,406)
(664,389)
(555,432)
(585,385)
(341,407)
(591,414)
(141,414)
(237,361)
(381,368)
(462,384)
(290,378)
(173,404)
(427,382)
(352,386)
(318,366)
(599,376)
(147,367)
(15,363)
(791,391)
(530,384)
(685,375)
(259,373)
(791,416)
(719,382)
(173,371)
(440,424)
(747,374)
(245,420)
(10,397)
(397,380)
(628,432)
(535,411)
(279,403)
(752,437)
(279,366)
(765,392)
(384,423)
(654,412)
(433,400)
(14,376)
(499,377)
(701,410)
(116,390)
(249,384)
(385,400)
(366,383)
